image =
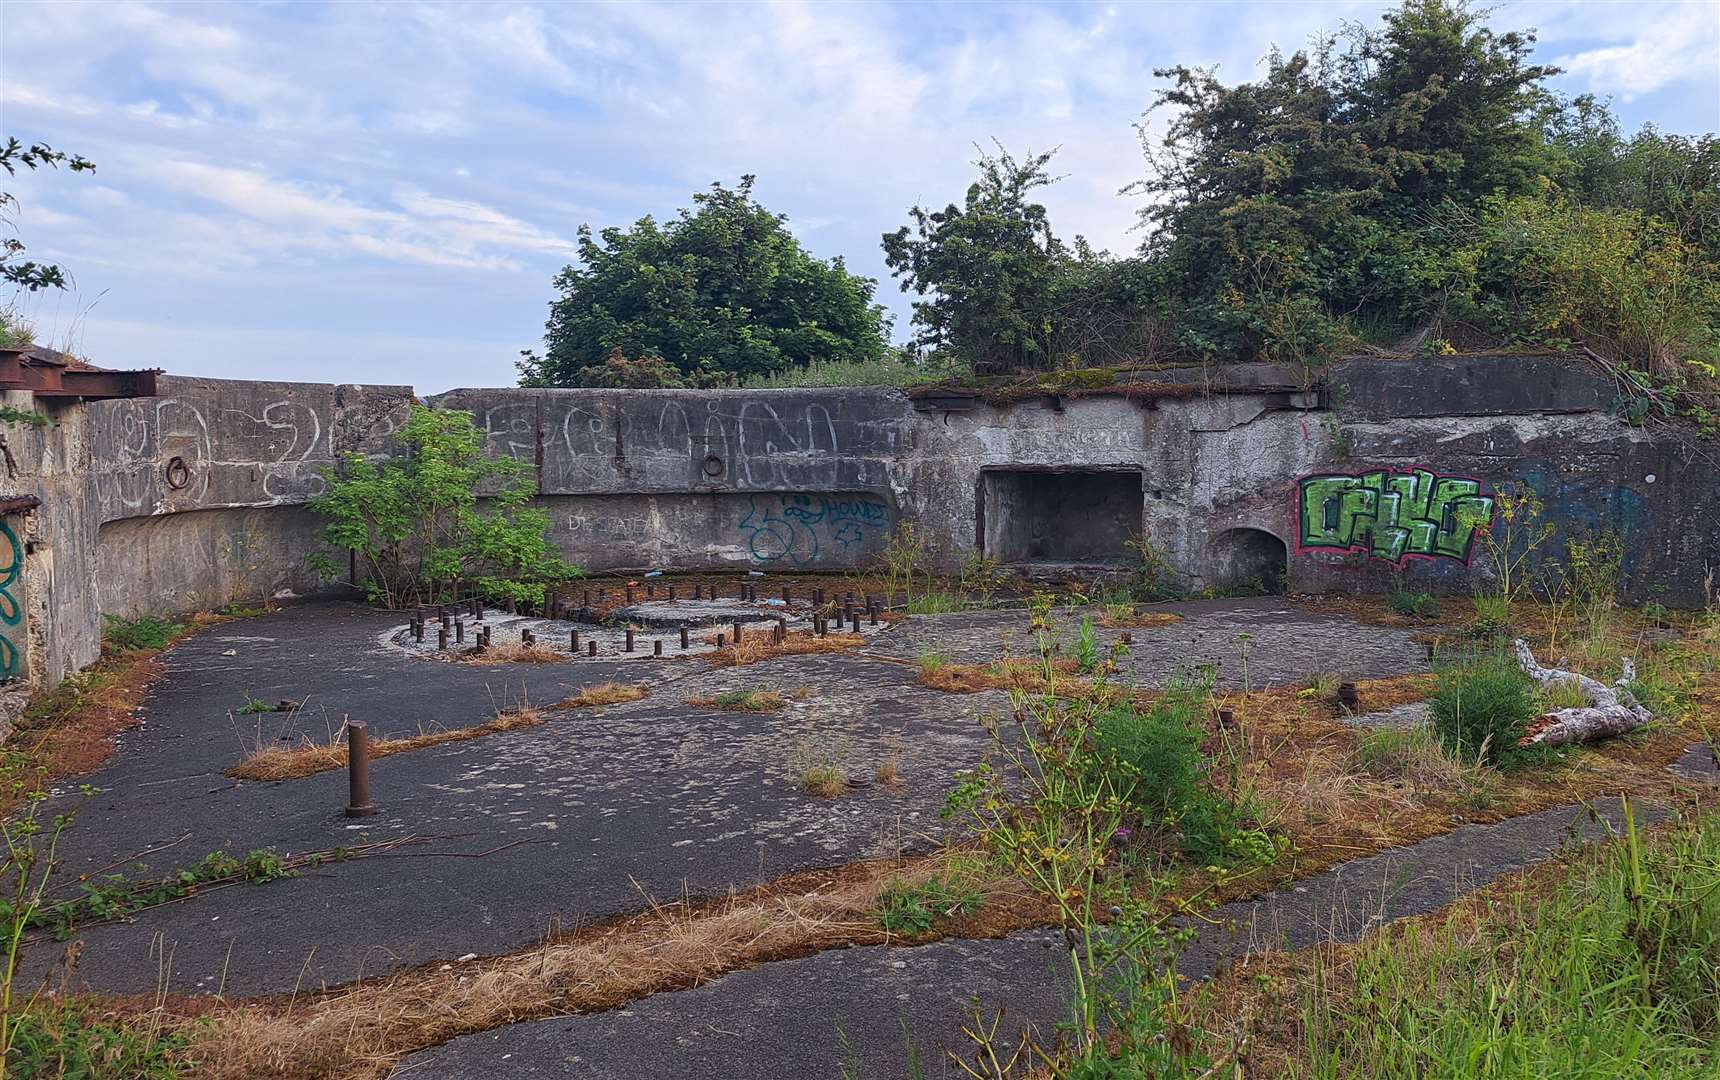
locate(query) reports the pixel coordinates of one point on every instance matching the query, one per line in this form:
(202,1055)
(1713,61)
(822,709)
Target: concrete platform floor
(579,818)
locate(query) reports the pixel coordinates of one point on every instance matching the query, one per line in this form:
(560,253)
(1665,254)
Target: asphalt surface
(520,834)
(854,1012)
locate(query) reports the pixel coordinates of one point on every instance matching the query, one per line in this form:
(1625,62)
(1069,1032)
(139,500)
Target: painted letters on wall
(796,529)
(11,607)
(1392,514)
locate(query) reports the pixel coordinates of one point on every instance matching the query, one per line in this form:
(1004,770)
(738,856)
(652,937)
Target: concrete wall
(195,498)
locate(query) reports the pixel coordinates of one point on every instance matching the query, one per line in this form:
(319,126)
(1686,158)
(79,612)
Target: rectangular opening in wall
(1062,515)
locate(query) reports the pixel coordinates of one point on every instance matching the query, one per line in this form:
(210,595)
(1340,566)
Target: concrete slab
(848,1009)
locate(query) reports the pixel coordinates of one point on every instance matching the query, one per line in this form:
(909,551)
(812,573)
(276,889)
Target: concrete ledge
(1369,388)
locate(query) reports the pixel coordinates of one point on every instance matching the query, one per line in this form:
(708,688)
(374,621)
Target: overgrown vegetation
(1617,973)
(1412,183)
(143,632)
(1483,708)
(915,909)
(419,530)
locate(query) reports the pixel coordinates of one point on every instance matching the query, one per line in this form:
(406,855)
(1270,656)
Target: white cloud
(1676,43)
(412,172)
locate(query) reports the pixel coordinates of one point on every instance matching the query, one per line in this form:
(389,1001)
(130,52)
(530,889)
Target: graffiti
(11,611)
(794,528)
(1392,514)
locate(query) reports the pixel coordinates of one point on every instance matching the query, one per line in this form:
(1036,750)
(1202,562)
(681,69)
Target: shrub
(415,523)
(143,632)
(1481,709)
(1161,771)
(1415,605)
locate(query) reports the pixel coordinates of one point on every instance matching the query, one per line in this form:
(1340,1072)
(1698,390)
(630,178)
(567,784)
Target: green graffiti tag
(11,611)
(1392,515)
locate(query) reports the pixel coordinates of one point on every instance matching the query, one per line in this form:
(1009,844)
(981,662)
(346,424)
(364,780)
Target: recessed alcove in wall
(1247,558)
(1061,515)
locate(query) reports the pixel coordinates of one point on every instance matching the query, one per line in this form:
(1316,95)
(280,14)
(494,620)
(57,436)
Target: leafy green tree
(28,275)
(1288,212)
(723,288)
(440,521)
(989,267)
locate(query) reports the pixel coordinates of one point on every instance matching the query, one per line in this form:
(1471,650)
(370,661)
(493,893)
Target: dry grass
(1341,792)
(1126,617)
(609,693)
(1020,674)
(510,653)
(888,774)
(758,644)
(69,731)
(824,781)
(361,1032)
(309,758)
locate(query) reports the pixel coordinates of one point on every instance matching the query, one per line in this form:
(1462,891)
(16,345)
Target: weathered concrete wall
(1382,476)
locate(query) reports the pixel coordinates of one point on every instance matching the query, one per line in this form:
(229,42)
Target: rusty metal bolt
(719,641)
(1348,697)
(358,802)
(683,637)
(629,647)
(856,616)
(671,594)
(591,648)
(787,594)
(573,641)
(738,631)
(698,590)
(657,647)
(1226,718)
(459,631)
(527,638)
(442,638)
(627,592)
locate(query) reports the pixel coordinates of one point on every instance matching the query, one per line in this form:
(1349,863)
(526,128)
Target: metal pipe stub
(358,802)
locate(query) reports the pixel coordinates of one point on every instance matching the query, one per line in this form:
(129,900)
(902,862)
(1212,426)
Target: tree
(1290,210)
(29,275)
(723,288)
(989,266)
(417,527)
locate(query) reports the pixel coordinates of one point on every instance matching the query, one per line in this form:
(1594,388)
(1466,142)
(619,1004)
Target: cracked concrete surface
(579,818)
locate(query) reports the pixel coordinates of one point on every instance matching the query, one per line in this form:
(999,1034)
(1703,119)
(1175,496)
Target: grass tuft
(309,758)
(609,693)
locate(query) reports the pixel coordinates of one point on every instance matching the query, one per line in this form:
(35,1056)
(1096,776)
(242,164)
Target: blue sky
(382,194)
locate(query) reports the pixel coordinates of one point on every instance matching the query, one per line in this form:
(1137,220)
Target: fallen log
(1612,710)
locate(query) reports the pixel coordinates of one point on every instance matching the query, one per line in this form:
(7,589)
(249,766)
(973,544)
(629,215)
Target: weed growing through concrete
(759,645)
(754,701)
(825,781)
(608,693)
(309,758)
(1085,785)
(913,910)
(144,632)
(934,603)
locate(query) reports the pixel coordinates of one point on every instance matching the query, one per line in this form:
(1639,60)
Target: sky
(383,193)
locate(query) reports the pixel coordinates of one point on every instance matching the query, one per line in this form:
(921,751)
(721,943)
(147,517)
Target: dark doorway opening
(1062,515)
(1247,560)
